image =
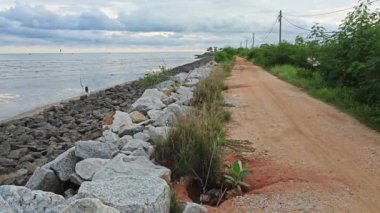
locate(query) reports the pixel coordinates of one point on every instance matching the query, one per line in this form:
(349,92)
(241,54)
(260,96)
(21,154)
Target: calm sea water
(31,81)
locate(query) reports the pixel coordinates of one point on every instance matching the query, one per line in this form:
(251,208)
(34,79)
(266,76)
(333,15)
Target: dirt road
(309,156)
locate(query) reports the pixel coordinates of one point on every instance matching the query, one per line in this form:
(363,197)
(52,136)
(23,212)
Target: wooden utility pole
(246,43)
(280,21)
(240,44)
(253,39)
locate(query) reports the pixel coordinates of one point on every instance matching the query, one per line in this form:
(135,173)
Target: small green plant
(236,174)
(151,78)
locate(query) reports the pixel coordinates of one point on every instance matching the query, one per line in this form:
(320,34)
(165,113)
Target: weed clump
(193,146)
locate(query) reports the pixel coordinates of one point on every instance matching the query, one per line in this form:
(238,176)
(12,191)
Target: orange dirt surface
(307,156)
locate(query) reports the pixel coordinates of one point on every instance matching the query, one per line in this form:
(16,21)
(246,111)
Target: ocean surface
(31,81)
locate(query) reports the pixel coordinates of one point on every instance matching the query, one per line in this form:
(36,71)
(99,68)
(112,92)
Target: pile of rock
(31,142)
(115,172)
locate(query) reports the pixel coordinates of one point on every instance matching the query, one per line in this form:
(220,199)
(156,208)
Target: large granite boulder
(154,114)
(130,194)
(120,119)
(131,129)
(191,82)
(88,205)
(108,137)
(87,168)
(64,164)
(164,84)
(22,199)
(45,180)
(94,149)
(141,136)
(184,90)
(169,115)
(4,206)
(180,77)
(123,165)
(138,147)
(151,99)
(120,143)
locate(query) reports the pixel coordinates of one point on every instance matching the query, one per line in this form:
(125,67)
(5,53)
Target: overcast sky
(154,25)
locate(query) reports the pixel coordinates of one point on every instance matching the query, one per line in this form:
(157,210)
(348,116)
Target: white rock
(22,199)
(4,206)
(184,90)
(120,143)
(191,82)
(154,93)
(88,205)
(64,164)
(87,168)
(141,136)
(194,208)
(154,114)
(123,165)
(94,149)
(120,120)
(151,99)
(130,194)
(137,146)
(164,84)
(144,104)
(180,78)
(108,137)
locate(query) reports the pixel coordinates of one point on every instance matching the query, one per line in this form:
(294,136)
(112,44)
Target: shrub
(193,146)
(236,174)
(151,79)
(209,90)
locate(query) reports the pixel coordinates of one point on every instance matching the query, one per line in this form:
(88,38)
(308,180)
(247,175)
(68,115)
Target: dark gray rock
(131,129)
(45,180)
(18,153)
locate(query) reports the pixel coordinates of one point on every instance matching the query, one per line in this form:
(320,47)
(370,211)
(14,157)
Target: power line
(302,28)
(271,29)
(327,13)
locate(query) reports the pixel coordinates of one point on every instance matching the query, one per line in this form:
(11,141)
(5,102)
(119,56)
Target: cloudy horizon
(167,25)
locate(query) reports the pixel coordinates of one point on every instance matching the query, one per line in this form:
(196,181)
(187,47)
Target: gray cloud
(117,22)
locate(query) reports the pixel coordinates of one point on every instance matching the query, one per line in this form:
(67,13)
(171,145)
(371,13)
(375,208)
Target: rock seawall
(114,172)
(31,142)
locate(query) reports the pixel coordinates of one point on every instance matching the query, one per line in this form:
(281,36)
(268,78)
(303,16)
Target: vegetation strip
(342,69)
